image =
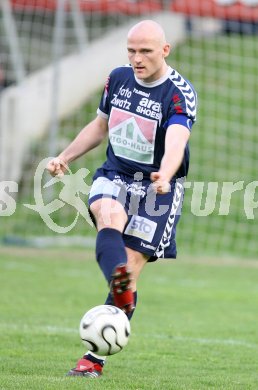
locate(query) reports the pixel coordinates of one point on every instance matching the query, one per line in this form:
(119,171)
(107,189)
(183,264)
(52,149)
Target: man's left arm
(176,139)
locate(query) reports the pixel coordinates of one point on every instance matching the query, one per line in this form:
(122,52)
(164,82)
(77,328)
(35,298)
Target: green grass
(195,326)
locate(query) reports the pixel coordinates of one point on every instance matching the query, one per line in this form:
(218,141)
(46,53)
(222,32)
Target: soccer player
(147,110)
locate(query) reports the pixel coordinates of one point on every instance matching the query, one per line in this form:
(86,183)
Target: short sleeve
(103,109)
(183,103)
(180,119)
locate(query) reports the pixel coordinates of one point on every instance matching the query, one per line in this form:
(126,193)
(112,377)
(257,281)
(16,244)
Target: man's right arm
(88,138)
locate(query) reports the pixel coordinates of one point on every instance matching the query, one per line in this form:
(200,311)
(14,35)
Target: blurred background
(55,56)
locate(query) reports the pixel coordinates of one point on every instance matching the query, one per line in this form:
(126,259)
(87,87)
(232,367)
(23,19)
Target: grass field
(195,326)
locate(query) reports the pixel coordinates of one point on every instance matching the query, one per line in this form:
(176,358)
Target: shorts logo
(141,227)
(131,136)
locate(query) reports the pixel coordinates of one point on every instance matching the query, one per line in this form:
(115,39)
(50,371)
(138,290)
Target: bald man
(147,110)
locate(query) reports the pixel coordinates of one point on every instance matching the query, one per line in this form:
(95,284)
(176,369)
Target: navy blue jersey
(139,114)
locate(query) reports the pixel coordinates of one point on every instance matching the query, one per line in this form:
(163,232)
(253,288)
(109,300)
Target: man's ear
(166,49)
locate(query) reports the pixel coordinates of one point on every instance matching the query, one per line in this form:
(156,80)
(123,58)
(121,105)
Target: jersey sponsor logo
(149,108)
(122,102)
(132,136)
(141,227)
(125,92)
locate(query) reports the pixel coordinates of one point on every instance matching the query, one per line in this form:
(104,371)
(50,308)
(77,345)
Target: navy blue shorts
(152,218)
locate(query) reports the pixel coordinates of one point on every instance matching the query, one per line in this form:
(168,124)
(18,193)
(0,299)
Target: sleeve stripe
(187,92)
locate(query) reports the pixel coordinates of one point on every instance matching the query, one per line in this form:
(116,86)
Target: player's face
(146,55)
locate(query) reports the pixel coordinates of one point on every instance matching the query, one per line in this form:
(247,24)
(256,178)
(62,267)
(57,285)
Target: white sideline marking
(39,329)
(201,340)
(59,330)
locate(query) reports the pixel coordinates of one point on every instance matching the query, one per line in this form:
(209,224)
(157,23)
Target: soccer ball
(105,330)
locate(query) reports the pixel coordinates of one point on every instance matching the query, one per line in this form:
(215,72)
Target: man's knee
(95,207)
(109,213)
